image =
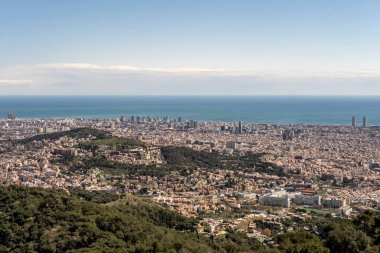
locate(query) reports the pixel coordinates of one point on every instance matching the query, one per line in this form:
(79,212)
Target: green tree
(347,239)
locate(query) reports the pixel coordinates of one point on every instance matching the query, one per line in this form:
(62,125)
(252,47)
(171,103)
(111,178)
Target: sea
(316,110)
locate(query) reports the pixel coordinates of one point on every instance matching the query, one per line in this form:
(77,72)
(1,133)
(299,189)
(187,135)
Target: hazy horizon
(200,95)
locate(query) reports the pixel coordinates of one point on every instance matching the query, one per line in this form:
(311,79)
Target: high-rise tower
(364,121)
(11,116)
(240,128)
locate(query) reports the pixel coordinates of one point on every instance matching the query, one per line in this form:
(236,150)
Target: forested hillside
(37,220)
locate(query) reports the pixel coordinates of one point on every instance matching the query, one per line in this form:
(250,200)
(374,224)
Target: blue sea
(250,109)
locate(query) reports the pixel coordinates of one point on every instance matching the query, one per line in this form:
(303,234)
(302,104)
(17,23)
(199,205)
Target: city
(163,126)
(300,171)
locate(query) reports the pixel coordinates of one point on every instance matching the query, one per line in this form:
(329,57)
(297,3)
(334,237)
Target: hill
(74,133)
(37,220)
(187,157)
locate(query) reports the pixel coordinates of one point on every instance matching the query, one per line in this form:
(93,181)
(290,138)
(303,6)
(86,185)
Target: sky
(190,47)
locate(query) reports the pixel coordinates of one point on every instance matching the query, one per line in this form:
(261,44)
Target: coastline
(281,110)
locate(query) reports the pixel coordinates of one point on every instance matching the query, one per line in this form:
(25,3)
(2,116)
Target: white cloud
(194,71)
(85,78)
(63,66)
(125,68)
(15,82)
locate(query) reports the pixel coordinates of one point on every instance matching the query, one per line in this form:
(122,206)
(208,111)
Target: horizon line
(190,95)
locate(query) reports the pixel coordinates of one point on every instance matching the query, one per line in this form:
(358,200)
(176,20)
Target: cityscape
(293,173)
(169,126)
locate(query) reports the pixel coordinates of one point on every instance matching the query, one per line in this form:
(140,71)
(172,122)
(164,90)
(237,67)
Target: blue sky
(194,47)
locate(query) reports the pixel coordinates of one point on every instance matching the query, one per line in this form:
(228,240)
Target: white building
(307,200)
(334,203)
(275,198)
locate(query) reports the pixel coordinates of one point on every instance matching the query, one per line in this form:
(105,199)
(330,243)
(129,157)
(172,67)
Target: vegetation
(301,242)
(176,158)
(75,133)
(100,197)
(118,168)
(235,241)
(37,220)
(121,143)
(335,236)
(187,157)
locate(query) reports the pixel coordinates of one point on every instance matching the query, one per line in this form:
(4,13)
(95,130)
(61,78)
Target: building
(288,135)
(231,145)
(233,128)
(65,152)
(275,198)
(11,116)
(193,124)
(364,121)
(240,127)
(345,211)
(334,203)
(307,200)
(353,121)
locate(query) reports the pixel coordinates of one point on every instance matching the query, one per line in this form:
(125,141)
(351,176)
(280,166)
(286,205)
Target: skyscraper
(240,128)
(11,116)
(353,121)
(364,121)
(288,135)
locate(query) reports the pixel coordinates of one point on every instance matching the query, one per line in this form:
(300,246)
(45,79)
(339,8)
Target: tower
(240,128)
(353,121)
(364,121)
(11,116)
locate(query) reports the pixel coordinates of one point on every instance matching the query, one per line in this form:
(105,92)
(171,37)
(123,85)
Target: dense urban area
(187,186)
